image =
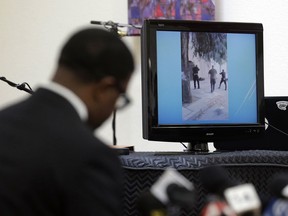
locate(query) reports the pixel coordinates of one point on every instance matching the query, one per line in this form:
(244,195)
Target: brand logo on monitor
(282,105)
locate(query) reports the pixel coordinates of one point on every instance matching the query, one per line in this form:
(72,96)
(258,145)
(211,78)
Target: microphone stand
(21,86)
(113,27)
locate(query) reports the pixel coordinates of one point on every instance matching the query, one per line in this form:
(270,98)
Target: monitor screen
(202,81)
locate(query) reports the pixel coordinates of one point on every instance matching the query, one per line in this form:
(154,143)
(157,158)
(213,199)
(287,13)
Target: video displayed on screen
(220,87)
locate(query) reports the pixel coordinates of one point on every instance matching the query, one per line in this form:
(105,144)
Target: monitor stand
(197,147)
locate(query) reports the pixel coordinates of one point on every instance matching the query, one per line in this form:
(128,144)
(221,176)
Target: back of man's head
(94,53)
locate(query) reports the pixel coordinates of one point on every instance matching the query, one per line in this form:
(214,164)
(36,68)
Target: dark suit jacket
(51,164)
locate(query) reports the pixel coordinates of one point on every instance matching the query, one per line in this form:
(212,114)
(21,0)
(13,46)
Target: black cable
(25,83)
(279,130)
(21,86)
(114,128)
(183,145)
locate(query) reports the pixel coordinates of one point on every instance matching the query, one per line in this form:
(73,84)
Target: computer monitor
(202,81)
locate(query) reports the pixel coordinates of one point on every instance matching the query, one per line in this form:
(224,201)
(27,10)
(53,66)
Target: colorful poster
(139,10)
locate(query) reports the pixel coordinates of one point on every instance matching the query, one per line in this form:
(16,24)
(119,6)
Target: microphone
(99,22)
(149,205)
(228,197)
(112,27)
(174,182)
(279,185)
(278,205)
(217,207)
(180,196)
(243,199)
(108,23)
(171,189)
(215,180)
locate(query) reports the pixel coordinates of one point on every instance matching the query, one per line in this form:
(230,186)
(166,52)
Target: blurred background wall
(32,31)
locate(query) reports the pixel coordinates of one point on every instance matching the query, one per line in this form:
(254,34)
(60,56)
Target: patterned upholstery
(142,169)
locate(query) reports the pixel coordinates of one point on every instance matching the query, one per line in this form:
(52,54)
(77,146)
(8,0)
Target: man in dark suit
(50,161)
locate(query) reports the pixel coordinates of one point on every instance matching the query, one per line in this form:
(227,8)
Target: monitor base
(197,147)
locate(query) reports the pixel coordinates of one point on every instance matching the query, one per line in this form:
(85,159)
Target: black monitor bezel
(183,133)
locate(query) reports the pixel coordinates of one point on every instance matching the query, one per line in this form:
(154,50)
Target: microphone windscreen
(181,196)
(277,184)
(148,205)
(215,179)
(276,207)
